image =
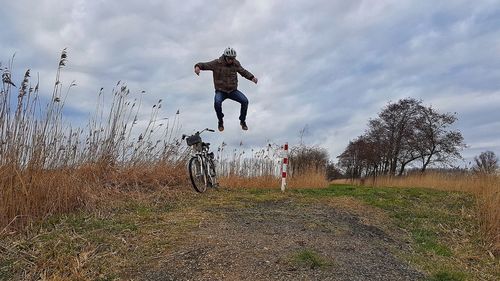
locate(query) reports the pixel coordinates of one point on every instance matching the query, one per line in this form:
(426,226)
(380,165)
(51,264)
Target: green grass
(427,242)
(309,258)
(447,276)
(5,264)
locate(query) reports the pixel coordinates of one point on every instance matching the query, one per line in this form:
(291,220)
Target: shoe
(221,126)
(244,125)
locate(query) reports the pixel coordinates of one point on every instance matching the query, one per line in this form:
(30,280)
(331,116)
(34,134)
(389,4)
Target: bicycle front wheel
(197,175)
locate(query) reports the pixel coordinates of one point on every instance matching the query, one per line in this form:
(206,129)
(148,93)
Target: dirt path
(285,239)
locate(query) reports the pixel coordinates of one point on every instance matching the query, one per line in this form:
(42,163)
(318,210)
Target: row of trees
(405,133)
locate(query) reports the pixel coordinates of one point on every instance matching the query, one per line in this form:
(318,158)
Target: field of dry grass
(49,167)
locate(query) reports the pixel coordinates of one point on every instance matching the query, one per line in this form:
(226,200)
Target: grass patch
(309,258)
(447,276)
(427,242)
(5,264)
(260,192)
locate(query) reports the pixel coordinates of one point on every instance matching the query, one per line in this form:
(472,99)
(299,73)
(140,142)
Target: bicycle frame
(206,165)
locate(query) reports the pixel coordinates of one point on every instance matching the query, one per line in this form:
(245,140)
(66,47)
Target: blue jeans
(234,95)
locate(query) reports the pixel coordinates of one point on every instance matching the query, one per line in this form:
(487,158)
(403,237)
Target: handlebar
(199,133)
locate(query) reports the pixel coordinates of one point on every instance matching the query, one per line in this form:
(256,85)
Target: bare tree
(351,159)
(360,158)
(304,159)
(303,133)
(332,172)
(396,124)
(433,139)
(486,162)
(402,133)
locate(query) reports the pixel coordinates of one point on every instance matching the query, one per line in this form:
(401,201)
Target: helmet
(230,52)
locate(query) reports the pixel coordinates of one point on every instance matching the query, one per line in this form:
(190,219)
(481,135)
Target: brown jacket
(225,77)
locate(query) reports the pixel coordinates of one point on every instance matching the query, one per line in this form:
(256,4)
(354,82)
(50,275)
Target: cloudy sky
(326,66)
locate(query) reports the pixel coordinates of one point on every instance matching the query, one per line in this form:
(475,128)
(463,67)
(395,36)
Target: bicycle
(201,165)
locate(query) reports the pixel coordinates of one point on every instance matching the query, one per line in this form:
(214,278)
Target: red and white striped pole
(284,167)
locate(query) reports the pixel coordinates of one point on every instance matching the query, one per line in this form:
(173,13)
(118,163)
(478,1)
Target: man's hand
(197,70)
(255,80)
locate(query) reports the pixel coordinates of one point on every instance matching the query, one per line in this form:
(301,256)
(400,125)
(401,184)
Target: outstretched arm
(245,73)
(204,66)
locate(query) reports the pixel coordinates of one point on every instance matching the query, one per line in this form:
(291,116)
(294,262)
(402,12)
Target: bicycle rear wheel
(197,175)
(213,176)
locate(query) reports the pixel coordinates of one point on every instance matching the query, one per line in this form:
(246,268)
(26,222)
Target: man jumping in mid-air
(226,83)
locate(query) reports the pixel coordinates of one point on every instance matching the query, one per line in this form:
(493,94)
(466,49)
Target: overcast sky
(327,66)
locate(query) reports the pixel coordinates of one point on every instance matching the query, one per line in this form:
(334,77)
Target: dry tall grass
(47,167)
(255,163)
(486,188)
(311,179)
(261,168)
